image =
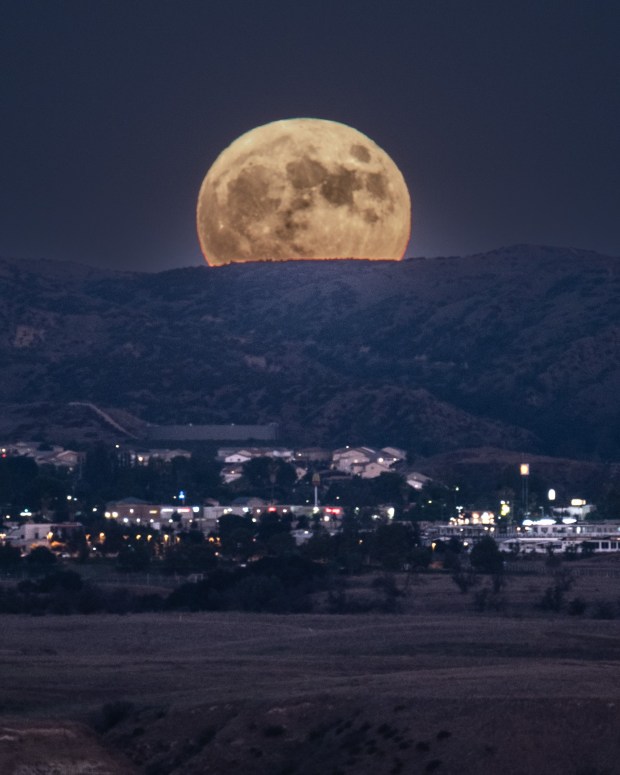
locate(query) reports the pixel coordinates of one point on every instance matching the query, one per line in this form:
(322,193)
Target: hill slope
(518,348)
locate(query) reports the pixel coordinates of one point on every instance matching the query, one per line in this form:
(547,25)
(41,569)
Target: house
(231,473)
(416,480)
(394,453)
(164,455)
(365,461)
(53,455)
(52,535)
(371,470)
(346,458)
(240,456)
(312,454)
(67,458)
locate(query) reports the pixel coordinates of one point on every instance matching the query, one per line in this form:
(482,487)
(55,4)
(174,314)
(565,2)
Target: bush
(553,597)
(464,580)
(391,593)
(67,580)
(40,559)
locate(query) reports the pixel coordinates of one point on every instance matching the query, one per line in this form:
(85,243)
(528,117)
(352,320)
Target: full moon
(303,188)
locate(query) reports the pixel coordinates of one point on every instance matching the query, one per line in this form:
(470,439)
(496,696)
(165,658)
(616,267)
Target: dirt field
(450,691)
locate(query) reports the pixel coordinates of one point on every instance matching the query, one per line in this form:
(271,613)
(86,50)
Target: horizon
(201,263)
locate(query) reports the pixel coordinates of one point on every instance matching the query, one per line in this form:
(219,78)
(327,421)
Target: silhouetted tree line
(277,585)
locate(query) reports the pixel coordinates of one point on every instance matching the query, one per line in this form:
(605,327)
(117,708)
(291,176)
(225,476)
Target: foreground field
(227,692)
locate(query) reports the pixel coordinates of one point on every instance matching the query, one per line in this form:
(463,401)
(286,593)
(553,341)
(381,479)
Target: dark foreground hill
(518,349)
(222,693)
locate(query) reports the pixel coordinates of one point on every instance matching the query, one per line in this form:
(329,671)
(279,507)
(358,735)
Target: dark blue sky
(504,117)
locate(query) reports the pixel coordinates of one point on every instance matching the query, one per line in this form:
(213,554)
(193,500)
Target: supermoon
(303,188)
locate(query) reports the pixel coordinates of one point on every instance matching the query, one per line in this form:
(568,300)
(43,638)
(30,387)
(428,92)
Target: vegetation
(348,366)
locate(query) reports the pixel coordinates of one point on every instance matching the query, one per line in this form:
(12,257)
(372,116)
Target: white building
(416,480)
(366,461)
(230,473)
(243,454)
(346,458)
(51,535)
(54,456)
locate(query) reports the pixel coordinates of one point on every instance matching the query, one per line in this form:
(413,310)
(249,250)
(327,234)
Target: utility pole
(316,481)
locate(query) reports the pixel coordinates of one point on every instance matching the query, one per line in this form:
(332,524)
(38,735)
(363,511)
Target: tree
(389,487)
(270,524)
(269,476)
(486,557)
(16,477)
(392,545)
(320,546)
(133,557)
(187,557)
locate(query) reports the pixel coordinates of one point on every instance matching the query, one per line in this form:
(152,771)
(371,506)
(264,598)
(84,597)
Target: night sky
(504,117)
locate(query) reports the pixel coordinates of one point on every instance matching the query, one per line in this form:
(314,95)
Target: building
(48,455)
(366,461)
(56,536)
(416,480)
(143,458)
(348,458)
(243,454)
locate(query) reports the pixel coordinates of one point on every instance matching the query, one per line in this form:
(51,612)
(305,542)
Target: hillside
(518,348)
(448,692)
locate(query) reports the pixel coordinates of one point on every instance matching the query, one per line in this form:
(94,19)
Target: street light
(524,470)
(551,499)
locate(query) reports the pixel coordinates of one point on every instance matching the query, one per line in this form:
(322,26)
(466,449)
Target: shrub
(464,579)
(40,559)
(553,597)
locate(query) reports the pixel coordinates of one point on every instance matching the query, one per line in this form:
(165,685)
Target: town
(142,505)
